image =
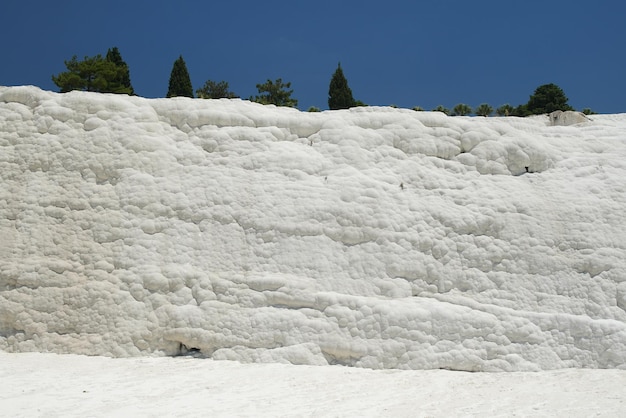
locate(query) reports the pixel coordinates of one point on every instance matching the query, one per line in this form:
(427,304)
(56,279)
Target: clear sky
(406,53)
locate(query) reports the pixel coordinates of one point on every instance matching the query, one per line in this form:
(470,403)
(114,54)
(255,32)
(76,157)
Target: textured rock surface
(371,237)
(560,118)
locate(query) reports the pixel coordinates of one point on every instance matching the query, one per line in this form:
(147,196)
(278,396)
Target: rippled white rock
(372,237)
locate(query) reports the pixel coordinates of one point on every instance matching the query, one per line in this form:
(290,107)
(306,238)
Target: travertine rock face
(560,118)
(370,237)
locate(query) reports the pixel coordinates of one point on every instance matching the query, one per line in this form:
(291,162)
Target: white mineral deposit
(160,236)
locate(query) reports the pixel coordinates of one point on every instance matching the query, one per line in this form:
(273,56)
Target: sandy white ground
(51,385)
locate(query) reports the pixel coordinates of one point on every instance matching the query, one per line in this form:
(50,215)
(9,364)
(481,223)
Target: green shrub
(442,109)
(484,110)
(461,110)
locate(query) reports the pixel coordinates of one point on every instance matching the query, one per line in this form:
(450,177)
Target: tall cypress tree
(180,83)
(122,78)
(339,94)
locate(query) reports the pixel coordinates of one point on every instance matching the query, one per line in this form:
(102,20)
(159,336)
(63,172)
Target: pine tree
(484,109)
(461,110)
(122,79)
(442,109)
(547,99)
(339,94)
(213,90)
(276,93)
(180,82)
(95,74)
(505,110)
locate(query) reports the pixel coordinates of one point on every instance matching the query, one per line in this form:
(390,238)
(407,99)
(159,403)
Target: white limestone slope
(372,237)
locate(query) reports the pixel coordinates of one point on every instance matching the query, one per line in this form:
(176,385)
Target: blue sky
(405,53)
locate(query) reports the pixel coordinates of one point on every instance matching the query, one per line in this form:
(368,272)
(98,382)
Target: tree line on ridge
(110,74)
